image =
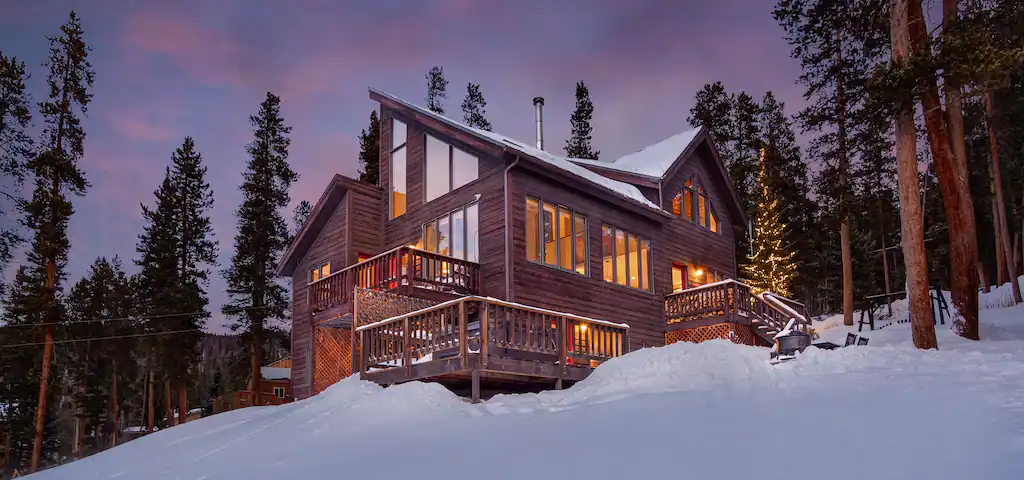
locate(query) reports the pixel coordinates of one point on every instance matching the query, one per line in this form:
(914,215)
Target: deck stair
(731,301)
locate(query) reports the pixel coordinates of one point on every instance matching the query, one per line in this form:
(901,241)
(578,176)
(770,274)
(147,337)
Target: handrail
(357,264)
(707,286)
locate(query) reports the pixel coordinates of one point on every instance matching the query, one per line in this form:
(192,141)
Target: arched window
(693,204)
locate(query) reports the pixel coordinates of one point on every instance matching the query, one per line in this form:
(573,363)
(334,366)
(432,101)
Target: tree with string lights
(771,266)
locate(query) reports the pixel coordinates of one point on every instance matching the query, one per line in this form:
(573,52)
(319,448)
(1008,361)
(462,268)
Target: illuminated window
(398,169)
(693,204)
(696,276)
(448,168)
(319,271)
(455,234)
(625,258)
(556,236)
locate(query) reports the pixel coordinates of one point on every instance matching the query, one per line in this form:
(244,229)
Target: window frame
(391,169)
(451,226)
(451,167)
(691,212)
(317,267)
(279,395)
(641,270)
(573,216)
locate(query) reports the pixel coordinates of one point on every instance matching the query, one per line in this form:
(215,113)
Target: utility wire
(126,319)
(113,337)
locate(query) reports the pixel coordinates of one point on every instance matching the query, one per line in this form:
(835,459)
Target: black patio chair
(851,338)
(862,341)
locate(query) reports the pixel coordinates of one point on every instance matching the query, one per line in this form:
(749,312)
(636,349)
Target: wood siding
(407,229)
(547,287)
(330,245)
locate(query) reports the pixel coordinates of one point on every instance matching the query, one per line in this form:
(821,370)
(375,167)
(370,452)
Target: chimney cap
(539,100)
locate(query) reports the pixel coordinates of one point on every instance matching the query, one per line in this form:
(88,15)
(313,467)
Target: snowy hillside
(713,411)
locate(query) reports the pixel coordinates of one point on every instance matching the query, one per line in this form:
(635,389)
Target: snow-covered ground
(713,410)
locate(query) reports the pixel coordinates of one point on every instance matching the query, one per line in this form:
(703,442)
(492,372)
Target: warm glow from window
(626,258)
(678,274)
(556,236)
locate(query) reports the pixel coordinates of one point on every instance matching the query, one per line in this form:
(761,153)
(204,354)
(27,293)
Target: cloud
(133,125)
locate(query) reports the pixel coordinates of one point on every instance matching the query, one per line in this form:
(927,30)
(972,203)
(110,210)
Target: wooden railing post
(463,335)
(563,353)
(485,333)
(407,346)
(364,352)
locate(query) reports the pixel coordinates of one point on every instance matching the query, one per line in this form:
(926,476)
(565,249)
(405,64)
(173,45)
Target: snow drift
(711,410)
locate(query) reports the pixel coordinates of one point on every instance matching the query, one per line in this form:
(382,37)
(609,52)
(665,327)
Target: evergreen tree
(369,152)
(15,149)
(262,232)
(578,145)
(56,176)
(19,377)
(300,215)
(837,43)
(95,367)
(473,105)
(713,109)
(437,90)
(771,266)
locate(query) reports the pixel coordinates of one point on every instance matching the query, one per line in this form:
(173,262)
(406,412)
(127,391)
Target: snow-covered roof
(622,189)
(275,373)
(651,161)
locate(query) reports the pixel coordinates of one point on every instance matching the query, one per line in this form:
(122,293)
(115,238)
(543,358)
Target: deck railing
(398,268)
(487,326)
(733,301)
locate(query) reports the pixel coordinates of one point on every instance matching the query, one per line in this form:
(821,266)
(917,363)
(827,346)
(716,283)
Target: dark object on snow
(825,345)
(862,341)
(851,339)
(789,345)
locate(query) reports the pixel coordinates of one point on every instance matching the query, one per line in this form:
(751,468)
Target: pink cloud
(133,125)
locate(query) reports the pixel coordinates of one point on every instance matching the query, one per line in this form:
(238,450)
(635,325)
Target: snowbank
(710,410)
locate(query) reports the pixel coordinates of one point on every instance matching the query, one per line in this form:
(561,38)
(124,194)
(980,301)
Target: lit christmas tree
(771,266)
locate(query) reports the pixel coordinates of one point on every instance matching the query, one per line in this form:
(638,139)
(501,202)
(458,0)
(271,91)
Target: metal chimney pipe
(538,103)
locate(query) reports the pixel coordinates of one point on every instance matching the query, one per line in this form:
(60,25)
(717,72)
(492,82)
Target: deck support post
(558,382)
(463,335)
(407,359)
(485,334)
(476,385)
(353,365)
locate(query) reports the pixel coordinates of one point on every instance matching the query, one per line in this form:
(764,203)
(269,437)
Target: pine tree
(771,266)
(837,43)
(473,105)
(19,377)
(15,149)
(578,144)
(437,90)
(95,367)
(196,251)
(369,152)
(300,215)
(56,175)
(262,232)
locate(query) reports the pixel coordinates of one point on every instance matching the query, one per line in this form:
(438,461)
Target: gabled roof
(318,218)
(566,165)
(660,161)
(652,161)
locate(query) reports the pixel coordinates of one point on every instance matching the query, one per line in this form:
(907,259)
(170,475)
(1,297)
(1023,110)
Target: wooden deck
(484,341)
(733,302)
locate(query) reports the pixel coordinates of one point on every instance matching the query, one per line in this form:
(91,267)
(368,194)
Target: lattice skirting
(332,359)
(740,334)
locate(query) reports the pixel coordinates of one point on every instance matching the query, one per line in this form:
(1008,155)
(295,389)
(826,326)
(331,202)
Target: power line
(126,319)
(113,337)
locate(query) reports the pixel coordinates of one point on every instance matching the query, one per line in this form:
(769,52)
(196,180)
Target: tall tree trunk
(167,403)
(844,197)
(113,406)
(912,218)
(257,349)
(182,402)
(956,196)
(981,274)
(997,181)
(149,399)
(44,377)
(80,424)
(1000,267)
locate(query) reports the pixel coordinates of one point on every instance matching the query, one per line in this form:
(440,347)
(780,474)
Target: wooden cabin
(487,263)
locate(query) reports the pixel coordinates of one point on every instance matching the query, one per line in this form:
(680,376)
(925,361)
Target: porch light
(583,327)
(699,271)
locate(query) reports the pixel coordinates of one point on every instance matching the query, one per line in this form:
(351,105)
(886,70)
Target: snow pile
(710,410)
(651,161)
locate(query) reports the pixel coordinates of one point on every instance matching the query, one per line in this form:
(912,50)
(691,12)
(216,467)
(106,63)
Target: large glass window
(455,234)
(678,277)
(626,258)
(448,168)
(556,236)
(398,168)
(693,204)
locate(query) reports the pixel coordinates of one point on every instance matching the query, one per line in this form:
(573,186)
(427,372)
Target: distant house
(274,389)
(479,261)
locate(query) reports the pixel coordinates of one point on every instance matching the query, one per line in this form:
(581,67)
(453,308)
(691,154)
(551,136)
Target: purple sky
(169,69)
